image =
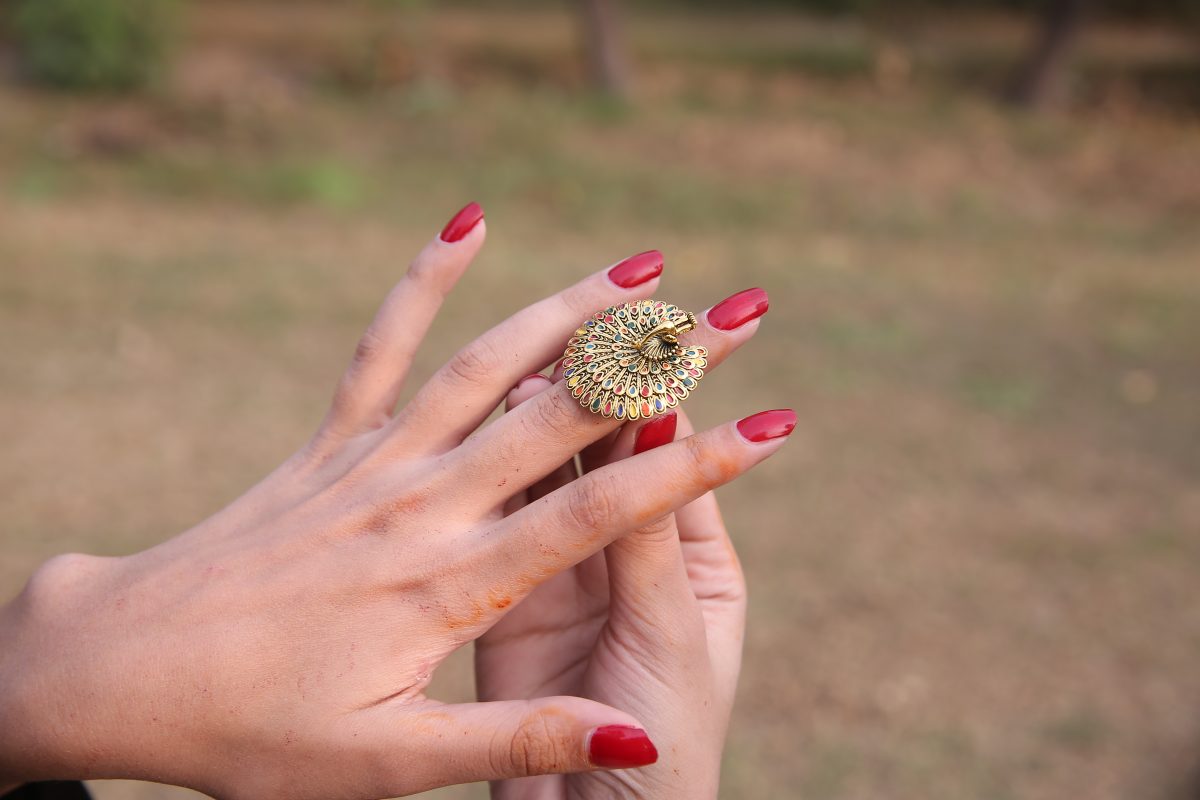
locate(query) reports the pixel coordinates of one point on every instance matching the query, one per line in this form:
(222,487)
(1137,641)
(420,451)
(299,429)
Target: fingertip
(738,309)
(656,432)
(637,269)
(621,747)
(468,219)
(765,426)
(525,389)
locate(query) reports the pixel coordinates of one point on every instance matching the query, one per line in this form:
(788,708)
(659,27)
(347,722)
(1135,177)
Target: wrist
(44,735)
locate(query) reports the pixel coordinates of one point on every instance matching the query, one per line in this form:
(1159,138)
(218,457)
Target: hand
(646,625)
(281,648)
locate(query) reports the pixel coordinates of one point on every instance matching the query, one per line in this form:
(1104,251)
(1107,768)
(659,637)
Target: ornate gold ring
(627,361)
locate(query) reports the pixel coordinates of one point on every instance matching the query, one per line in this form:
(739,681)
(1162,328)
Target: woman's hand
(645,625)
(281,648)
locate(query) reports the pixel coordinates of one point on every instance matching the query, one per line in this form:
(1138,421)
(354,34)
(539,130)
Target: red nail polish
(636,270)
(655,433)
(621,746)
(462,223)
(767,424)
(737,310)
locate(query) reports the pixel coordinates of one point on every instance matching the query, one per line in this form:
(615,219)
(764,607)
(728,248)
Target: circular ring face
(627,361)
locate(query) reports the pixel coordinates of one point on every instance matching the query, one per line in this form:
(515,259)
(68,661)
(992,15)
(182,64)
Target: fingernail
(737,310)
(462,223)
(767,424)
(655,433)
(636,270)
(532,376)
(621,746)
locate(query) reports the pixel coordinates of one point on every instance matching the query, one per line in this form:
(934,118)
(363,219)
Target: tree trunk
(1041,80)
(604,43)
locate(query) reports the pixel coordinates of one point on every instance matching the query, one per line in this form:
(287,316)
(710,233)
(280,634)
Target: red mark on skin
(471,618)
(386,519)
(499,599)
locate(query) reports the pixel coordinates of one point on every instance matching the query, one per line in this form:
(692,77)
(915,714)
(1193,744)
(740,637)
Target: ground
(974,569)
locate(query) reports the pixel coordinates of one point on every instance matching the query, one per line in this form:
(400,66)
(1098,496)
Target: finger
(707,546)
(370,387)
(651,598)
(597,454)
(565,527)
(651,602)
(463,392)
(730,314)
(527,388)
(519,738)
(532,440)
(708,550)
(715,576)
(647,575)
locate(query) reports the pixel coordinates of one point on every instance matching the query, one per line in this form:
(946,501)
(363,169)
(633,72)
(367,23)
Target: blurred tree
(1040,81)
(604,42)
(93,44)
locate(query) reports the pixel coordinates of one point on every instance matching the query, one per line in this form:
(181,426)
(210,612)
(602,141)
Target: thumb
(517,738)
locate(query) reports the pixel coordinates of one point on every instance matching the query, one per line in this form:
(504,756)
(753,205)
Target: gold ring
(627,361)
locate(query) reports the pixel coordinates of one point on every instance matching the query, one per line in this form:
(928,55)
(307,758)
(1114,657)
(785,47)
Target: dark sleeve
(49,790)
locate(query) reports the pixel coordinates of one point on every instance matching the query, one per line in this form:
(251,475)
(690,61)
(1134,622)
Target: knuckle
(536,748)
(425,269)
(710,467)
(579,300)
(592,504)
(369,348)
(660,529)
(474,364)
(434,272)
(555,416)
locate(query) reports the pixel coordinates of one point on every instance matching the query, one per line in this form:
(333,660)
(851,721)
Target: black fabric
(50,790)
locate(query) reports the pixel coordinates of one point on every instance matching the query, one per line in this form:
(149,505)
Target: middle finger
(463,392)
(536,437)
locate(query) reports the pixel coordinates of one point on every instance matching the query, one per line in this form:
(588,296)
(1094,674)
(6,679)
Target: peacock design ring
(627,361)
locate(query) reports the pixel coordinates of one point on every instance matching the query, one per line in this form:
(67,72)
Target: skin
(653,624)
(281,648)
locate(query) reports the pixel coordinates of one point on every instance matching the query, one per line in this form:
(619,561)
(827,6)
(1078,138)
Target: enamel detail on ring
(627,361)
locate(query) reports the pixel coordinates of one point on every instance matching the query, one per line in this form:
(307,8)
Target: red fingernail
(621,746)
(737,310)
(655,433)
(462,223)
(636,270)
(767,424)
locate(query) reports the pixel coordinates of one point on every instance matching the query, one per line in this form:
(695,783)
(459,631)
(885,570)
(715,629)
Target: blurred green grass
(972,573)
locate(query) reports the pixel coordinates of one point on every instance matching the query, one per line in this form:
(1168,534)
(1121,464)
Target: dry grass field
(975,572)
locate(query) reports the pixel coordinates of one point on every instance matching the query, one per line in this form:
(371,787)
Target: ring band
(627,361)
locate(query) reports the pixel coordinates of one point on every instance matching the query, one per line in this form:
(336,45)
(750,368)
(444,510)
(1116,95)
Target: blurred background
(975,572)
